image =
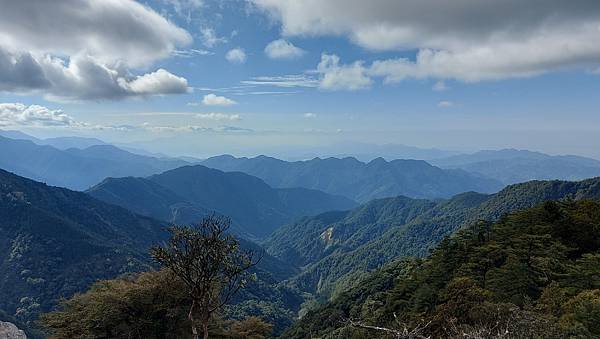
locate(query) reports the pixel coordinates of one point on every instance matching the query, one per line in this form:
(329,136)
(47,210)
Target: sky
(246,77)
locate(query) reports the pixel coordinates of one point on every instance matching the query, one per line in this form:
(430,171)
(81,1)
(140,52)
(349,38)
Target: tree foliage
(147,305)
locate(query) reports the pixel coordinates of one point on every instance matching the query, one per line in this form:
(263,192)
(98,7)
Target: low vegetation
(203,269)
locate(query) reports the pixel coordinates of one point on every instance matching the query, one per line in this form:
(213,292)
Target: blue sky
(378,72)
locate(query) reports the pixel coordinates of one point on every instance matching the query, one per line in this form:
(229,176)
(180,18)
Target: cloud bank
(81,50)
(17,114)
(465,40)
(218,116)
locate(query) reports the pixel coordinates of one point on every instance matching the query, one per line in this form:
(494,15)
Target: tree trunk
(205,328)
(205,321)
(191,317)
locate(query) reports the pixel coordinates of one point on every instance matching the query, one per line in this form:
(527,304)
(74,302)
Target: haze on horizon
(290,77)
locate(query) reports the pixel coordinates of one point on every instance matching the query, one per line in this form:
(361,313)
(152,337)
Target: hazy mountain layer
(77,169)
(513,166)
(358,180)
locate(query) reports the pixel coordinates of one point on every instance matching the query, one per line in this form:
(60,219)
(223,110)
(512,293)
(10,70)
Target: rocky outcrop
(10,331)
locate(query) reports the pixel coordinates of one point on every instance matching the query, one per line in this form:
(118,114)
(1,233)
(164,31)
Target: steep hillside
(148,198)
(186,194)
(358,180)
(312,238)
(55,242)
(533,274)
(75,168)
(414,237)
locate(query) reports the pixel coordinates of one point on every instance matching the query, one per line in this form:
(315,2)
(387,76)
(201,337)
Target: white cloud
(192,52)
(439,86)
(209,37)
(195,129)
(81,78)
(219,116)
(236,56)
(17,114)
(159,82)
(495,61)
(285,81)
(342,77)
(283,49)
(216,100)
(445,104)
(109,30)
(175,129)
(464,40)
(309,115)
(88,52)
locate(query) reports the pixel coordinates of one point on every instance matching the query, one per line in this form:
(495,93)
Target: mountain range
(57,241)
(366,152)
(185,194)
(358,180)
(78,163)
(76,168)
(320,243)
(511,166)
(62,143)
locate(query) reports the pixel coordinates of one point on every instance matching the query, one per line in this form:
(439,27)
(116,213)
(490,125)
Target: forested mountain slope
(311,238)
(55,242)
(534,273)
(333,261)
(185,194)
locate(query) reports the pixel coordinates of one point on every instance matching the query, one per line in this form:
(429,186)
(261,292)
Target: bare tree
(210,263)
(401,332)
(507,322)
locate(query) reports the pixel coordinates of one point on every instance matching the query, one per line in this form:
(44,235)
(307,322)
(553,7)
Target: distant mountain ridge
(358,180)
(61,143)
(513,166)
(185,194)
(74,168)
(366,152)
